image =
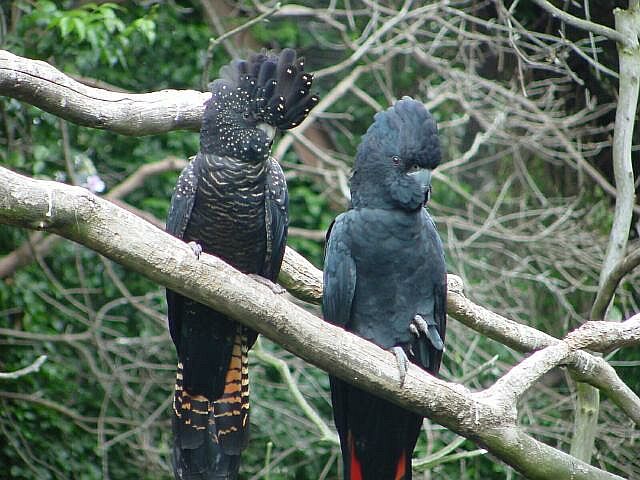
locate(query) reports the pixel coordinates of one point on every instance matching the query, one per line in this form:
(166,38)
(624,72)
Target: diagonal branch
(38,245)
(305,281)
(485,417)
(609,286)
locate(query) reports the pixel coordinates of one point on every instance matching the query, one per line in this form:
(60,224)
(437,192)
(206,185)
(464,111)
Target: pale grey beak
(422,176)
(268,129)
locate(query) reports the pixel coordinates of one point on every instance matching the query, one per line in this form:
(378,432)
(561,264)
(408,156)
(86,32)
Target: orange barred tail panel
(196,452)
(191,411)
(231,410)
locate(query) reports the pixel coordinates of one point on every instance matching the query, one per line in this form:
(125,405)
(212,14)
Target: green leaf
(615,314)
(80,28)
(65,26)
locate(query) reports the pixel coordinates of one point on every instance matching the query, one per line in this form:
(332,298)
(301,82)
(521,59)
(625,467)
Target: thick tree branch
(629,84)
(627,26)
(305,281)
(605,336)
(42,85)
(38,245)
(487,417)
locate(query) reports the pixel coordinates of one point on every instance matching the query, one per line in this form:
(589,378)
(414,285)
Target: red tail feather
(355,470)
(401,468)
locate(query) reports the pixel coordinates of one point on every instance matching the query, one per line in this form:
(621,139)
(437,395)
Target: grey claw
(196,248)
(274,287)
(420,324)
(413,329)
(429,329)
(403,362)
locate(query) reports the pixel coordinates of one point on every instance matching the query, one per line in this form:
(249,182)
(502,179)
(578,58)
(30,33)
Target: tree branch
(629,54)
(607,290)
(305,281)
(34,367)
(586,25)
(42,85)
(38,245)
(588,399)
(487,417)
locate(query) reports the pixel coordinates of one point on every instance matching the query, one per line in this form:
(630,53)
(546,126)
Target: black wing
(339,274)
(184,196)
(429,348)
(276,219)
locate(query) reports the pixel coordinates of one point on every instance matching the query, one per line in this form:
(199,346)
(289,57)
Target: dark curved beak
(427,195)
(423,178)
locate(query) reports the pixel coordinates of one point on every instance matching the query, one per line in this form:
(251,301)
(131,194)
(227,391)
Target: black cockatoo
(230,201)
(385,280)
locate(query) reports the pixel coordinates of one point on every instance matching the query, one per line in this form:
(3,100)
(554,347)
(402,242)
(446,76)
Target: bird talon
(413,329)
(274,287)
(196,248)
(403,362)
(419,324)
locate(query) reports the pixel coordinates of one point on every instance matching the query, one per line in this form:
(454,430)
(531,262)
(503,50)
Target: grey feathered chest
(400,265)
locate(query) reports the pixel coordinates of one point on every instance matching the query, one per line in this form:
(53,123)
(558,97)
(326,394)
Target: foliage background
(523,222)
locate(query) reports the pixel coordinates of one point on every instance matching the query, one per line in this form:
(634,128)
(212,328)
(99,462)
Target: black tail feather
(376,436)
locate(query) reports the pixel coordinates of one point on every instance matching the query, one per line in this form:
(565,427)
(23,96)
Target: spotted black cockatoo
(230,201)
(385,280)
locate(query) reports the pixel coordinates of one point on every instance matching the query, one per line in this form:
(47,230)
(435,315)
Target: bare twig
(214,42)
(34,367)
(327,100)
(444,455)
(283,369)
(586,25)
